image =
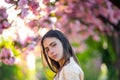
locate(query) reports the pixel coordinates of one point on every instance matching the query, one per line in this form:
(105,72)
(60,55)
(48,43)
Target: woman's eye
(54,44)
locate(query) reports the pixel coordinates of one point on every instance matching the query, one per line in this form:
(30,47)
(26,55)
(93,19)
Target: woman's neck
(62,62)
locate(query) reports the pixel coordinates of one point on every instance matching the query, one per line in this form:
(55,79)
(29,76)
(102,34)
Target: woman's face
(53,48)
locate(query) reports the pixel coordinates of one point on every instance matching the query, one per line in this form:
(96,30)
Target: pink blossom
(64,19)
(2,9)
(1,18)
(24,12)
(68,9)
(32,23)
(46,1)
(100,1)
(10,1)
(92,1)
(7,56)
(22,3)
(6,24)
(88,4)
(96,37)
(117,14)
(9,61)
(33,6)
(3,13)
(32,45)
(1,29)
(7,1)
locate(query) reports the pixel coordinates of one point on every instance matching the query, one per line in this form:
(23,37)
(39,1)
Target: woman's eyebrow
(50,44)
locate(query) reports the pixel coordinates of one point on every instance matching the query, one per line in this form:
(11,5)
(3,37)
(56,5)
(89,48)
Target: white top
(71,71)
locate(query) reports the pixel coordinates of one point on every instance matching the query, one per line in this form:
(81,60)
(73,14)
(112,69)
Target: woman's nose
(51,51)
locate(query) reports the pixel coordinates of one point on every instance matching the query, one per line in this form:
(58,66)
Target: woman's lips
(54,56)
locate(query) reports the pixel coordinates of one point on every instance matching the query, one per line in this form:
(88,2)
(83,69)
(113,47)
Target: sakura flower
(22,3)
(24,12)
(6,24)
(7,57)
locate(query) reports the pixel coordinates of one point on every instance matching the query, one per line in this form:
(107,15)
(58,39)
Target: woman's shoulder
(72,67)
(71,71)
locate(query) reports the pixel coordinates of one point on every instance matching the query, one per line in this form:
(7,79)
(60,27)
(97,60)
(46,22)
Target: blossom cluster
(25,6)
(7,56)
(3,19)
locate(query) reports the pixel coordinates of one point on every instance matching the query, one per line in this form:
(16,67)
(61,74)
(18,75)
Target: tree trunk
(117,49)
(115,41)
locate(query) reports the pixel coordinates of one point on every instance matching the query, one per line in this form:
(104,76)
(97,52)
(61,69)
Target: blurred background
(92,27)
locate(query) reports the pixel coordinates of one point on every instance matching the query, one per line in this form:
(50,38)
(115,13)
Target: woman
(60,57)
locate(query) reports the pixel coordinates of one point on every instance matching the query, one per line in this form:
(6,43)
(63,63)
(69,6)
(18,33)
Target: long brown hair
(67,49)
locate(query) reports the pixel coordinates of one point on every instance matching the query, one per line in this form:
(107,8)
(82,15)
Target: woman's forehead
(49,40)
